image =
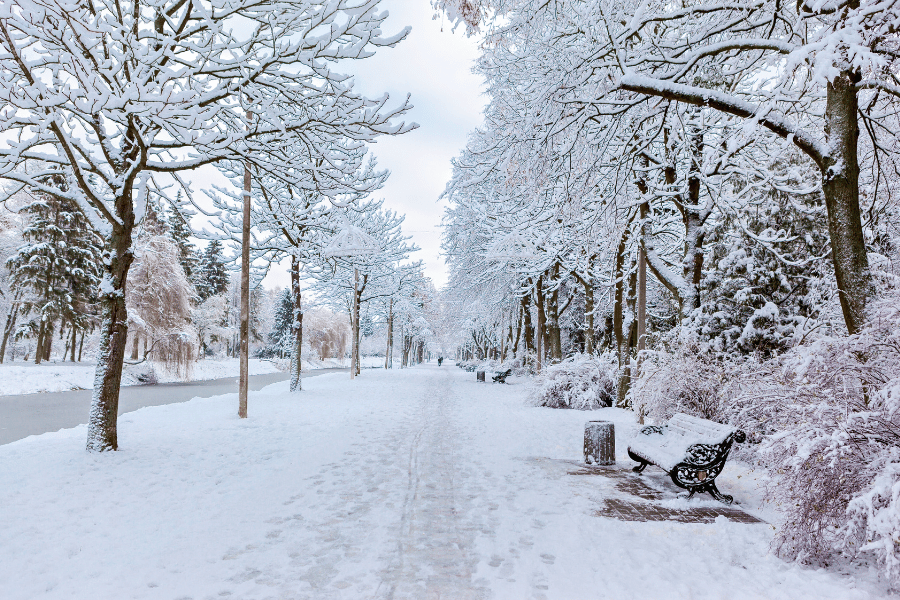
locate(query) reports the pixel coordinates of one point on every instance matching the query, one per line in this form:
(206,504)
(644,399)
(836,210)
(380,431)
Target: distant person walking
(440,360)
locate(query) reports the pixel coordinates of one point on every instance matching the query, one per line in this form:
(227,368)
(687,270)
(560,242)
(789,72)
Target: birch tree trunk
(296,328)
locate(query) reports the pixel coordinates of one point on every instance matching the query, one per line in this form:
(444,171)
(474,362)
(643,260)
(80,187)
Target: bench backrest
(700,429)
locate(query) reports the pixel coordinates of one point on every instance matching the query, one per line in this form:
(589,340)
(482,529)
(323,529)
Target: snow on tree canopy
(351,241)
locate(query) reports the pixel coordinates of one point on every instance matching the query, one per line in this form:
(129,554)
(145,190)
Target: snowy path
(418,484)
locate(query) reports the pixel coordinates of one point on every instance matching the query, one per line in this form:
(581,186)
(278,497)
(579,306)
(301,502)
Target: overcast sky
(434,65)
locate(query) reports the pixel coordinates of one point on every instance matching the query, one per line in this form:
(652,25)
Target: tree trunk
(10,326)
(39,346)
(630,335)
(81,345)
(296,327)
(588,316)
(542,322)
(48,340)
(519,321)
(359,292)
(619,299)
(553,331)
(526,323)
(642,292)
(117,259)
(134,345)
(840,184)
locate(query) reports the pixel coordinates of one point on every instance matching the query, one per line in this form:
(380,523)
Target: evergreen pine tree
(213,278)
(180,231)
(57,268)
(280,336)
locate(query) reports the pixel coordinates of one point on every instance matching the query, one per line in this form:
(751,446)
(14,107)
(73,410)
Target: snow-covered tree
(349,281)
(56,271)
(125,97)
(212,276)
(159,298)
(180,231)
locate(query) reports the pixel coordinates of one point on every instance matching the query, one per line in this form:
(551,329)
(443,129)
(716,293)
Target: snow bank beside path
(25,378)
(415,484)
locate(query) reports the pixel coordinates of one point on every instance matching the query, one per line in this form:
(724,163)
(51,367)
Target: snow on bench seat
(692,450)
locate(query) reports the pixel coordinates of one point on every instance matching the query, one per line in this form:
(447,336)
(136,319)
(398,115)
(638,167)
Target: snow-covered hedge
(582,382)
(836,456)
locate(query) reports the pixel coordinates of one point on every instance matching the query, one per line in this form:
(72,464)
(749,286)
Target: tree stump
(480,376)
(599,443)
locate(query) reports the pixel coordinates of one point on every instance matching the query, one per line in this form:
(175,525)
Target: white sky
(434,66)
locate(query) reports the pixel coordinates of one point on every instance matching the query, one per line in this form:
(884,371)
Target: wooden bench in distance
(691,450)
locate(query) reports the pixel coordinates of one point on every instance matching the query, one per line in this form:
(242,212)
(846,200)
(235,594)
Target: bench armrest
(652,429)
(706,454)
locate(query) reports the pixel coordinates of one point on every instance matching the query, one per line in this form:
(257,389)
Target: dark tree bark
(117,259)
(630,335)
(526,323)
(840,184)
(10,325)
(39,346)
(554,334)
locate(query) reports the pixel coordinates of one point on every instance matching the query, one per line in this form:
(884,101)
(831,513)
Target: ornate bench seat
(691,450)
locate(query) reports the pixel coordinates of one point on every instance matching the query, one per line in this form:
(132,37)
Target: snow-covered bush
(688,380)
(582,382)
(835,457)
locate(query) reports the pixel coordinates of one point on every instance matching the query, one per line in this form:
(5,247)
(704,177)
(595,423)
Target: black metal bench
(691,450)
(501,376)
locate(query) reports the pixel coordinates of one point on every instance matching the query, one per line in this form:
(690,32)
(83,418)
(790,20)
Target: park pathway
(413,484)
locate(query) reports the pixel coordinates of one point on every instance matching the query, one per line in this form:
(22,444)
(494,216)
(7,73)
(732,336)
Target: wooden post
(245,295)
(390,335)
(354,325)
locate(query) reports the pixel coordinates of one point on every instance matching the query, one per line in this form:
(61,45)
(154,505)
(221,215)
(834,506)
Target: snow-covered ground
(417,483)
(29,378)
